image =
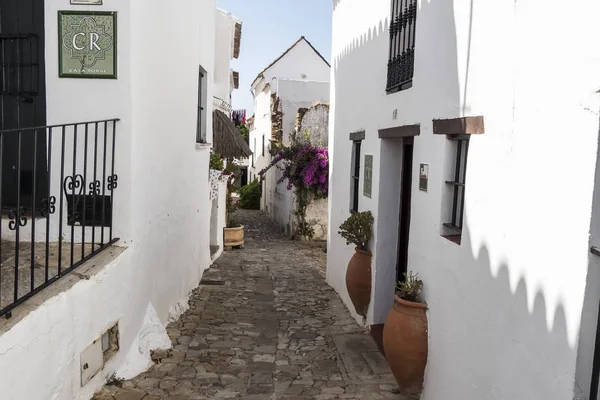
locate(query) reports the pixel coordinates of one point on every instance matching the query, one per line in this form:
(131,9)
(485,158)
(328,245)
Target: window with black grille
(202,95)
(461,149)
(402,45)
(355,175)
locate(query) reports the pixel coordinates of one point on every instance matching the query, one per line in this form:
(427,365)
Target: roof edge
(286,52)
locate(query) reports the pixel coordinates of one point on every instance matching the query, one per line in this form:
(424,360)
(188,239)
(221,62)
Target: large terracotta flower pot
(358,281)
(405,344)
(233,236)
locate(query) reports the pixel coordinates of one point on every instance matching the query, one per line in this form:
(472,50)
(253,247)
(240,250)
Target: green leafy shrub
(358,229)
(410,288)
(250,196)
(245,132)
(216,161)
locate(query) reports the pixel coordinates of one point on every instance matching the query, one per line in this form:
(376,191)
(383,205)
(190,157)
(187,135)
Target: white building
(149,153)
(228,40)
(512,289)
(228,44)
(228,37)
(297,79)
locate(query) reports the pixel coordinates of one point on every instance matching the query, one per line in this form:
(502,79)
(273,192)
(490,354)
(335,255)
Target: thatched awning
(237,40)
(228,140)
(236,79)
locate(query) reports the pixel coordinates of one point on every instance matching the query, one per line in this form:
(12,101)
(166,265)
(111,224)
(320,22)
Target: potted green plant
(405,335)
(233,233)
(358,230)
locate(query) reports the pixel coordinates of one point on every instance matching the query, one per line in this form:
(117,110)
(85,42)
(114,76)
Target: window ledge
(400,87)
(454,238)
(456,233)
(203,146)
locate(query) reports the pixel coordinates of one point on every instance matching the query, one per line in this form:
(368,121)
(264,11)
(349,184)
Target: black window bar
(19,64)
(458,197)
(355,176)
(401,61)
(56,201)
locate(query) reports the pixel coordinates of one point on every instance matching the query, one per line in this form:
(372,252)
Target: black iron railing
(401,63)
(218,102)
(57,187)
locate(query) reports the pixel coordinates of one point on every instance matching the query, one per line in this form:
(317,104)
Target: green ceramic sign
(88,44)
(368,181)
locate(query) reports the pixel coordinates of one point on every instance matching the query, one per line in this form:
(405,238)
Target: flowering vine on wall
(306,169)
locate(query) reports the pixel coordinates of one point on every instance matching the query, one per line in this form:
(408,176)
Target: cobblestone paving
(273,330)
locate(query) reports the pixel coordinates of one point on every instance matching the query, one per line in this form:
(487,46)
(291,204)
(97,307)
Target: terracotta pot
(233,236)
(405,344)
(358,281)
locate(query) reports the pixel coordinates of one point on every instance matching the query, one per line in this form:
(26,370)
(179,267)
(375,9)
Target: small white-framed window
(457,183)
(202,100)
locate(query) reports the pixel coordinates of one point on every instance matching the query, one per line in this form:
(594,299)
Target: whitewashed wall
(162,209)
(316,213)
(262,128)
(225,32)
(505,307)
(315,124)
(300,63)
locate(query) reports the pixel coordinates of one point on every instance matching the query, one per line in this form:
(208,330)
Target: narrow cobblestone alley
(264,325)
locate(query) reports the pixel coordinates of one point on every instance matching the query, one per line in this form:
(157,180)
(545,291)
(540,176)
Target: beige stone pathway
(265,325)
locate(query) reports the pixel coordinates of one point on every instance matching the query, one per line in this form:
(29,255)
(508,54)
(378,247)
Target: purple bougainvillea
(304,166)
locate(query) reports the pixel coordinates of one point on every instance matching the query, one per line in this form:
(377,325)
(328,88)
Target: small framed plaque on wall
(87,44)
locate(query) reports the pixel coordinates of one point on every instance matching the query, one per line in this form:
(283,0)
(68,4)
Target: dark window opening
(110,343)
(263,146)
(355,176)
(401,61)
(97,212)
(458,190)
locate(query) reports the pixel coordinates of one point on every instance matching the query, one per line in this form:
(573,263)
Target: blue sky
(269,27)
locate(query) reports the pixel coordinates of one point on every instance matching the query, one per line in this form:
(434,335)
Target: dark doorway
(244,177)
(405,200)
(23,102)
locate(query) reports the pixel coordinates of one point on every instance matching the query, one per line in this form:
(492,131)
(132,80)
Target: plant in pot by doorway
(405,335)
(233,233)
(358,230)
